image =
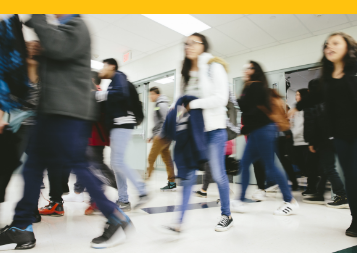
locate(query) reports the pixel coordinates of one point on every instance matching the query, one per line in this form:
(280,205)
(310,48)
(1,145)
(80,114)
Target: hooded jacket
(65,68)
(213,83)
(161,109)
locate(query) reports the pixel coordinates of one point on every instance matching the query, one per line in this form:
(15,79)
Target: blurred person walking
(121,120)
(160,146)
(205,77)
(95,152)
(61,134)
(339,80)
(22,122)
(262,114)
(318,138)
(302,157)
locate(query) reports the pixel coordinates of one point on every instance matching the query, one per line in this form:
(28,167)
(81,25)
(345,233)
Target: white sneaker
(272,189)
(73,197)
(259,195)
(287,208)
(238,206)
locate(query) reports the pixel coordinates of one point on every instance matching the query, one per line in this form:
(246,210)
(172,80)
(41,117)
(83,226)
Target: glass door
(136,153)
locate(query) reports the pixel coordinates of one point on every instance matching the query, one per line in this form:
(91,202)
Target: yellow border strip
(181,6)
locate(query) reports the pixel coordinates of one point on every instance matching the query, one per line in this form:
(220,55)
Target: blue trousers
(261,145)
(59,144)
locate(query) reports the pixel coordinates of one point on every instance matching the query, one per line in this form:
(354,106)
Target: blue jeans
(261,145)
(347,155)
(216,142)
(59,143)
(186,191)
(119,140)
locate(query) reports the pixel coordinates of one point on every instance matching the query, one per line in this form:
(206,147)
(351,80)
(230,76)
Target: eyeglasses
(192,43)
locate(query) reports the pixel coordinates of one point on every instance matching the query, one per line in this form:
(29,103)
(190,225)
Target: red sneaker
(53,209)
(92,209)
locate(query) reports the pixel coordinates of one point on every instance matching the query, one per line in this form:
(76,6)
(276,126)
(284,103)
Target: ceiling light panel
(181,23)
(165,80)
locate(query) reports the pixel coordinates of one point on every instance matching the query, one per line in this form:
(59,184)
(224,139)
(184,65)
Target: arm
(61,42)
(118,92)
(220,90)
(2,121)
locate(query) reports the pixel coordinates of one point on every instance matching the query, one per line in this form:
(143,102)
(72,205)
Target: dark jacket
(188,130)
(13,70)
(350,78)
(65,68)
(118,103)
(253,118)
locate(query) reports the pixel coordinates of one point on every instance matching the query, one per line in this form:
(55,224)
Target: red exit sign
(127,57)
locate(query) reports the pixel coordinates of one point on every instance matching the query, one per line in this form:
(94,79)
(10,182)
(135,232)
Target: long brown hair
(350,59)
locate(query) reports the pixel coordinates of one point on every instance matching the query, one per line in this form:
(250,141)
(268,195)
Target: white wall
(283,56)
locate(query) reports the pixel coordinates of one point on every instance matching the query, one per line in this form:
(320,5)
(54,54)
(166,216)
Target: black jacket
(351,79)
(252,117)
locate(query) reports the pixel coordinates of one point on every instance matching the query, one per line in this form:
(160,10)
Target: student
(160,146)
(63,126)
(120,121)
(23,120)
(339,70)
(256,105)
(303,158)
(205,77)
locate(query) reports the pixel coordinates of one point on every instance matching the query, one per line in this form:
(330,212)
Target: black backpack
(137,106)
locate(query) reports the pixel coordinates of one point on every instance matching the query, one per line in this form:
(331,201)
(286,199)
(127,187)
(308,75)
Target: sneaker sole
(223,229)
(168,190)
(344,206)
(351,234)
(284,214)
(314,202)
(201,196)
(53,215)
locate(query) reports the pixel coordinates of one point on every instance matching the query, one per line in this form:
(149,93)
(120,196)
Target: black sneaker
(317,199)
(15,238)
(200,194)
(309,192)
(340,202)
(112,235)
(352,230)
(171,186)
(224,224)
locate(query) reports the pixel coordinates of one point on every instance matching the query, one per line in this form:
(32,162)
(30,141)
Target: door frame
(146,81)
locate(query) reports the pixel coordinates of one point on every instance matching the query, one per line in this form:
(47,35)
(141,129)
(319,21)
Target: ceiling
(231,34)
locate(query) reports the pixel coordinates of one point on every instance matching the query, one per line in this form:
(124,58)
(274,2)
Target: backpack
(158,114)
(233,129)
(277,113)
(137,106)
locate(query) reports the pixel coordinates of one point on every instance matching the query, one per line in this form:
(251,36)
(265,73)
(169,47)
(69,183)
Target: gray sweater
(65,68)
(161,110)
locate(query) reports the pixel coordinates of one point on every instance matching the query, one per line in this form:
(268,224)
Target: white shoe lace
(224,221)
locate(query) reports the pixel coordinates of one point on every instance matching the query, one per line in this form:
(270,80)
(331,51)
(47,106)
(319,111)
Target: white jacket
(297,128)
(214,87)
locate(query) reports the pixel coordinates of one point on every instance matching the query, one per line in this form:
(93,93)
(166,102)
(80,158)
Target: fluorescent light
(165,80)
(181,23)
(96,64)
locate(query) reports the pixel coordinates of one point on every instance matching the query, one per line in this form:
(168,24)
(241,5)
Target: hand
(149,140)
(33,49)
(2,125)
(188,107)
(292,112)
(312,150)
